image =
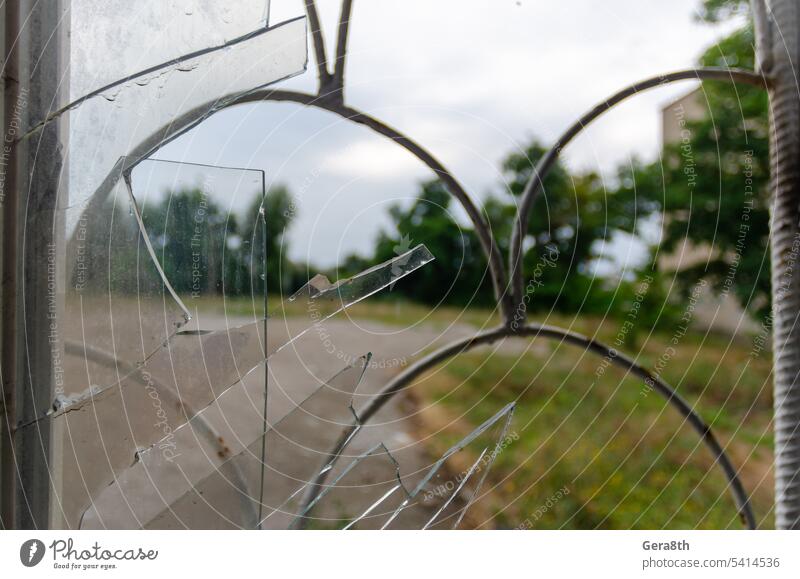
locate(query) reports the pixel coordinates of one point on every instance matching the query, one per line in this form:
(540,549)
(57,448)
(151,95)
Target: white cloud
(372,159)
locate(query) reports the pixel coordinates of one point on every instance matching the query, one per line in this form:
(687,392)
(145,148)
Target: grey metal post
(8,209)
(36,57)
(778,27)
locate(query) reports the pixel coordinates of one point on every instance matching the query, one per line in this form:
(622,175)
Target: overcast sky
(471,80)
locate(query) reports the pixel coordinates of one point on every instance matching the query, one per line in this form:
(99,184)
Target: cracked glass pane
(200,365)
(103,427)
(453,484)
(116,306)
(127,368)
(319,298)
(116,312)
(210,475)
(197,229)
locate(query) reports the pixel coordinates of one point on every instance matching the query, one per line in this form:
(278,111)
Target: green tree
(459,275)
(712,186)
(569,222)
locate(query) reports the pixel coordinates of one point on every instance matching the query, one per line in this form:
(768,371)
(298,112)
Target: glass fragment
(219,484)
(453,484)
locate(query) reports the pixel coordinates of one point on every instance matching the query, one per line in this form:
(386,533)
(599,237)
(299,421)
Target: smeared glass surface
(105,47)
(112,130)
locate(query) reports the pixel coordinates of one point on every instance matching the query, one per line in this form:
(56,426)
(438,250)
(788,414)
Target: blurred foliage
(573,217)
(712,185)
(710,188)
(699,188)
(714,11)
(203,249)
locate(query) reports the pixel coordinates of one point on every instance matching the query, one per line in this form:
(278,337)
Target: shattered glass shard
(218,485)
(200,365)
(114,405)
(116,310)
(206,228)
(120,307)
(453,484)
(456,494)
(296,446)
(180,483)
(321,297)
(109,272)
(126,390)
(131,121)
(364,495)
(125,375)
(103,427)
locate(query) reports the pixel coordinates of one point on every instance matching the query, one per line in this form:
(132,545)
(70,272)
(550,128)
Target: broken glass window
(121,102)
(106,425)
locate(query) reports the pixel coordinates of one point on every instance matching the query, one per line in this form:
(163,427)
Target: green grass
(626,458)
